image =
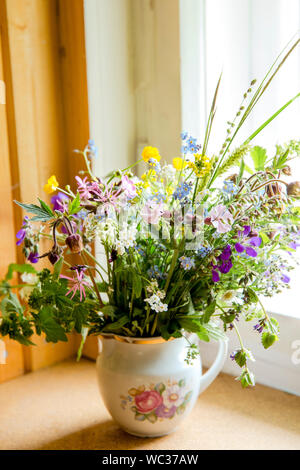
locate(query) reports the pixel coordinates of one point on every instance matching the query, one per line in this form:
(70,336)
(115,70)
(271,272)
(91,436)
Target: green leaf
(19,268)
(268,339)
(280,162)
(45,207)
(247,379)
(252,295)
(259,157)
(137,285)
(53,331)
(209,311)
(109,310)
(264,237)
(240,357)
(74,205)
(58,268)
(10,304)
(41,214)
(117,325)
(214,331)
(194,326)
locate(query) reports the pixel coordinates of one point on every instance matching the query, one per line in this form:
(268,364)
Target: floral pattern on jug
(160,401)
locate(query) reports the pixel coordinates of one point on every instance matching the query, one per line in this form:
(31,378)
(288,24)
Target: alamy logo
(296,354)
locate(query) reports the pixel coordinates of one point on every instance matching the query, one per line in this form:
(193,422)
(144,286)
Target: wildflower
(232,355)
(77,282)
(74,242)
(203,251)
(150,152)
(83,187)
(128,187)
(182,191)
(127,236)
(248,242)
(156,304)
(221,218)
(154,165)
(224,264)
(190,145)
(179,163)
(152,212)
(21,234)
(59,201)
(33,257)
(187,263)
(229,187)
(51,185)
(155,273)
(91,148)
(201,165)
(259,327)
(184,135)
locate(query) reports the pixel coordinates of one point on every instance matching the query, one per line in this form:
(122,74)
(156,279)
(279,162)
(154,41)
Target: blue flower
(154,165)
(187,263)
(184,135)
(91,148)
(229,187)
(203,251)
(154,272)
(182,191)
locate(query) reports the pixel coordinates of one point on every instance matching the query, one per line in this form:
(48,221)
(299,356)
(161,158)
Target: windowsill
(60,408)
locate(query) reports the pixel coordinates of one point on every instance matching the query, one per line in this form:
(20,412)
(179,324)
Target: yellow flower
(201,166)
(51,185)
(179,163)
(150,152)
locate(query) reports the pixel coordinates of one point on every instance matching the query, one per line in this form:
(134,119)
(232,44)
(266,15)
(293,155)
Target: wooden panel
(11,360)
(74,80)
(36,120)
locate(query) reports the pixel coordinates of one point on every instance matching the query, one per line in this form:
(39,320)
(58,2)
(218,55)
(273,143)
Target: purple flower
(22,232)
(59,201)
(248,242)
(163,412)
(232,355)
(33,257)
(225,267)
(224,264)
(259,327)
(286,279)
(215,276)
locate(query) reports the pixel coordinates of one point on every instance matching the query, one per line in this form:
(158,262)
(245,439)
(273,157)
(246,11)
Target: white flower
(173,396)
(168,172)
(156,304)
(29,278)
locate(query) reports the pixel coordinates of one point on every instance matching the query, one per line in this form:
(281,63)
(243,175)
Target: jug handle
(215,368)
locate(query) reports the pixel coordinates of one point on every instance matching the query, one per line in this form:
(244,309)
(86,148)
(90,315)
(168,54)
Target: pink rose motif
(148,401)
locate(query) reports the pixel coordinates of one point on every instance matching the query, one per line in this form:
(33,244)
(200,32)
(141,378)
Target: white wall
(109,49)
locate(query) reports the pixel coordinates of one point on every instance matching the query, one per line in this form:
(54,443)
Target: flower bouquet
(189,248)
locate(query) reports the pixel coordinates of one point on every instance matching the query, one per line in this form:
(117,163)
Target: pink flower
(148,401)
(152,212)
(128,187)
(77,283)
(221,218)
(83,187)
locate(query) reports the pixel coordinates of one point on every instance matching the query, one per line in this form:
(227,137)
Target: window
(241,39)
